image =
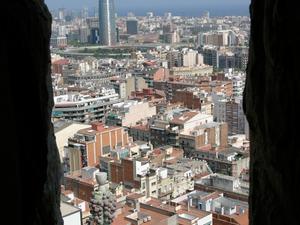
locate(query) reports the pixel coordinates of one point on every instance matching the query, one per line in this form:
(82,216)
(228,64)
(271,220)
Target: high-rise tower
(107,23)
(132,26)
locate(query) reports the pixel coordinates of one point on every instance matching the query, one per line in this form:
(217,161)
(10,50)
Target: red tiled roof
(141,127)
(67,192)
(135,196)
(242,219)
(156,151)
(212,195)
(61,62)
(199,176)
(205,148)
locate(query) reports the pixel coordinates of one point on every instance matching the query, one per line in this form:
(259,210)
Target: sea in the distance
(194,8)
(215,11)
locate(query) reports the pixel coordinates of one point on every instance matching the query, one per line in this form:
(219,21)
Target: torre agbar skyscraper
(107,23)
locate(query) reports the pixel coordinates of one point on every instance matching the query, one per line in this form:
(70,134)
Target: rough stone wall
(31,178)
(270,101)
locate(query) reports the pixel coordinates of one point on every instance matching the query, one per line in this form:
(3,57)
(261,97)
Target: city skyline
(155,114)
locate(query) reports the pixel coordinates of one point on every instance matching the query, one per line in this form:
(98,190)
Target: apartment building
(87,145)
(210,133)
(83,108)
(228,161)
(129,112)
(161,174)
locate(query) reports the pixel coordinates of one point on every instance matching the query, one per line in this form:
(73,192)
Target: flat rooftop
(156,216)
(90,131)
(67,209)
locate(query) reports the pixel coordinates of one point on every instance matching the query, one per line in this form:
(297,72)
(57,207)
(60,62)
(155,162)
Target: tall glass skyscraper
(107,23)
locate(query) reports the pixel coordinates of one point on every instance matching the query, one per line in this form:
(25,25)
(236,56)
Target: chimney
(136,205)
(189,202)
(97,126)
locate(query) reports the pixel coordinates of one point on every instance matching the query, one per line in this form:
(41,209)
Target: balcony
(165,193)
(75,140)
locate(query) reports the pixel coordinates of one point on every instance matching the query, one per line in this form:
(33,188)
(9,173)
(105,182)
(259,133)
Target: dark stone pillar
(271,100)
(31,177)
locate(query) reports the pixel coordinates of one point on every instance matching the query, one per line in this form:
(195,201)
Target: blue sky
(123,6)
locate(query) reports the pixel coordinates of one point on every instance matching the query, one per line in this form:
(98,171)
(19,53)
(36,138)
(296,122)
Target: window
(209,223)
(106,149)
(200,206)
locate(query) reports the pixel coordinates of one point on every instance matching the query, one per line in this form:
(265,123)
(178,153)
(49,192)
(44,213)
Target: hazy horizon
(177,7)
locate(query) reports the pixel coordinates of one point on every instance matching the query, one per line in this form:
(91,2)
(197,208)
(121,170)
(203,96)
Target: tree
(102,208)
